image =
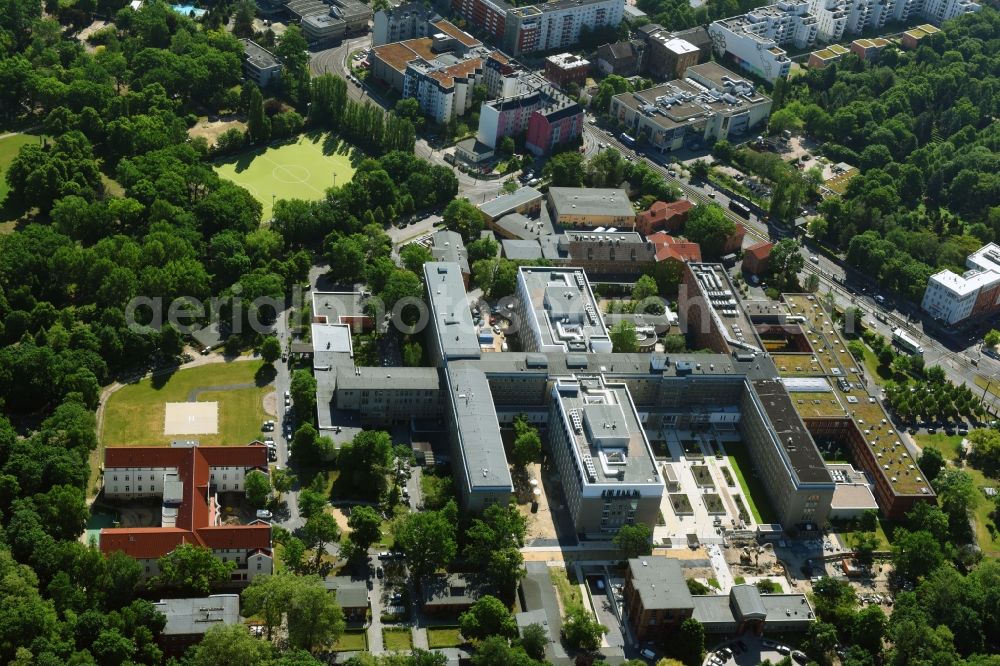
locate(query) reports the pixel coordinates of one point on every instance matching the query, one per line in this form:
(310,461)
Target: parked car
(648,654)
(264,514)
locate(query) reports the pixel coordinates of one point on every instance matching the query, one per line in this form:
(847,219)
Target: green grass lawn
(299,169)
(352,641)
(134,414)
(753,490)
(443,637)
(397,639)
(9,147)
(569,593)
(946,444)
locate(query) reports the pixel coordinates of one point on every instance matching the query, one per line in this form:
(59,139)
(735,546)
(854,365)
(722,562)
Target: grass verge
(397,639)
(569,593)
(443,637)
(753,490)
(352,641)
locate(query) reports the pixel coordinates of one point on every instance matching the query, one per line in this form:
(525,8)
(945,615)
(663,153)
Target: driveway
(538,593)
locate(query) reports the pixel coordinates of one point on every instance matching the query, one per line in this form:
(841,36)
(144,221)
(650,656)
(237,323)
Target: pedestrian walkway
(420,638)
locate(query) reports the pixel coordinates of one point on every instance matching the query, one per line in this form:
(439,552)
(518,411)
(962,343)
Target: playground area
(300,168)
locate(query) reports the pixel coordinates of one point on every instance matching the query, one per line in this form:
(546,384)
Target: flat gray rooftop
(450,310)
(791,432)
(366,378)
(332,306)
(564,309)
(447,245)
(475,417)
(508,203)
(198,615)
(660,583)
(590,201)
(331,345)
(611,444)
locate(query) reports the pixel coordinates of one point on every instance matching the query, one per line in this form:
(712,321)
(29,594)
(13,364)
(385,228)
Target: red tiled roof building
(663,216)
(187,480)
(756,258)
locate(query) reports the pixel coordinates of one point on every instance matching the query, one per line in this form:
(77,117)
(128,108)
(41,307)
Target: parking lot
(751,650)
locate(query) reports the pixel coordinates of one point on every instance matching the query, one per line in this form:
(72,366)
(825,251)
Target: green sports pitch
(299,169)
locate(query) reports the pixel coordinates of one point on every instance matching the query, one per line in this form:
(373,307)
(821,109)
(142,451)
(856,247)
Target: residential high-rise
(753,41)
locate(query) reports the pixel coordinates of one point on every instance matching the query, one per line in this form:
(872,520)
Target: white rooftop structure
(192,617)
(680,46)
(558,311)
(952,297)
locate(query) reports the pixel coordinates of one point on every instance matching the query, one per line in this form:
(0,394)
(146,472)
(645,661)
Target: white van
(264,514)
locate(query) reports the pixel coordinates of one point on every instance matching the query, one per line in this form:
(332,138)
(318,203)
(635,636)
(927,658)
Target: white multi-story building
(832,17)
(558,311)
(753,41)
(444,92)
(597,441)
(939,11)
(953,298)
(396,24)
(556,25)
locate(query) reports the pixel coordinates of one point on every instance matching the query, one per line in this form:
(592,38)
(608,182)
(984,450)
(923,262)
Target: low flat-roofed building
(342,307)
(851,500)
(558,311)
(823,57)
(868,49)
(447,245)
(451,327)
(591,207)
(524,200)
(479,464)
(260,65)
(323,29)
(187,620)
(353,13)
(657,600)
(911,38)
(516,226)
(608,470)
(332,346)
(451,594)
(709,104)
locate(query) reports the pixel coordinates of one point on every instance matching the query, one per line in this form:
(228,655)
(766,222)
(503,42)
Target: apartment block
(397,24)
(490,15)
(709,104)
(596,439)
(389,396)
(556,25)
(953,298)
(439,71)
(534,106)
(752,42)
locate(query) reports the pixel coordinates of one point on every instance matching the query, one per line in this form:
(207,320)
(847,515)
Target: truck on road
(902,340)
